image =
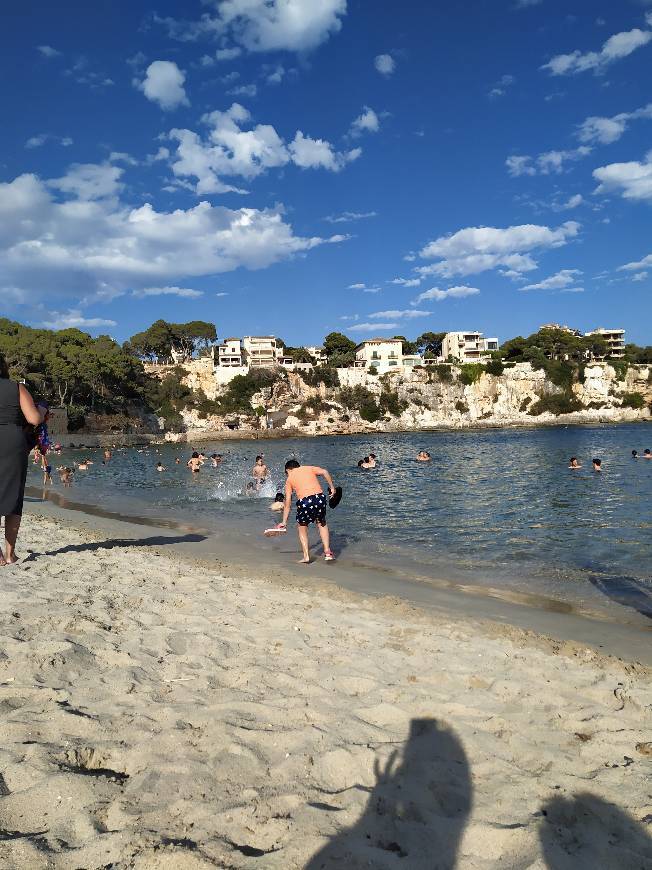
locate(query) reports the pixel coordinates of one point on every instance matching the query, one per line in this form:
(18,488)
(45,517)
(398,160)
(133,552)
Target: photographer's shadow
(584,832)
(416,811)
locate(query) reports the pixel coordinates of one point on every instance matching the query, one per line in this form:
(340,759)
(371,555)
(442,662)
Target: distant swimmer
(597,464)
(250,489)
(647,453)
(107,454)
(216,459)
(371,459)
(279,502)
(160,467)
(83,465)
(573,463)
(195,463)
(65,475)
(260,471)
(634,454)
(177,461)
(423,456)
(366,463)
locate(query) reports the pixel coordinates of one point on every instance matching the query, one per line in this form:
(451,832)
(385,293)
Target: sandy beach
(158,713)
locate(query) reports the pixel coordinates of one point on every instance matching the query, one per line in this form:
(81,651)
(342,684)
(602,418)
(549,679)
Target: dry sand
(158,715)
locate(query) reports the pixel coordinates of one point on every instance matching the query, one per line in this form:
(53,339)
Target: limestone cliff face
(426,401)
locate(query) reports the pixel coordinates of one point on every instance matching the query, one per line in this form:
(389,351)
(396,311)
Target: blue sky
(301,166)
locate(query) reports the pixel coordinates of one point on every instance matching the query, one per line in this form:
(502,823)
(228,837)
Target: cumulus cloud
(563,278)
(366,122)
(398,314)
(645,263)
(348,216)
(229,150)
(615,48)
(604,131)
(41,138)
(633,180)
(437,295)
(228,53)
(639,276)
(361,286)
(500,88)
(243,91)
(73,318)
(89,180)
(183,292)
(163,84)
(263,25)
(385,64)
(572,202)
(478,249)
(407,282)
(70,246)
(48,51)
(317,153)
(372,327)
(546,163)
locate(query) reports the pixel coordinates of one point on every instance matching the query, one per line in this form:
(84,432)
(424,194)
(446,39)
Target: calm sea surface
(494,507)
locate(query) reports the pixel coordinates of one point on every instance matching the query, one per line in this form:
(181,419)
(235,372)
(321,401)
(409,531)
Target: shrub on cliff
(495,367)
(326,375)
(240,391)
(443,373)
(363,401)
(633,400)
(470,373)
(555,403)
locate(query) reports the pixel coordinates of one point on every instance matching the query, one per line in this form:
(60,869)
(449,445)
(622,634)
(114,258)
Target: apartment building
(615,341)
(318,355)
(383,354)
(467,347)
(229,353)
(261,351)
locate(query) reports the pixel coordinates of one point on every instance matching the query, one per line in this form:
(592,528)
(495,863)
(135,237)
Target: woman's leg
(12,524)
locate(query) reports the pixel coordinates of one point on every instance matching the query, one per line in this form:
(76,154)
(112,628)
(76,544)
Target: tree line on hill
(69,367)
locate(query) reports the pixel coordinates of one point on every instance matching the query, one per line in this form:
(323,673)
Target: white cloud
(407,314)
(546,163)
(88,181)
(275,77)
(183,292)
(243,91)
(163,84)
(361,286)
(616,47)
(438,295)
(357,286)
(526,4)
(221,294)
(366,122)
(571,203)
(500,88)
(228,53)
(638,265)
(348,216)
(563,278)
(372,327)
(317,153)
(48,51)
(607,130)
(639,276)
(478,249)
(572,290)
(69,246)
(264,25)
(230,150)
(41,138)
(407,282)
(73,318)
(632,180)
(385,64)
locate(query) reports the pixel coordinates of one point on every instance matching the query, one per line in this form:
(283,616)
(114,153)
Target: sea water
(494,507)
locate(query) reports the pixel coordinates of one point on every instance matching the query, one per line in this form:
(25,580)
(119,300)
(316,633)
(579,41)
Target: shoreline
(627,638)
(160,714)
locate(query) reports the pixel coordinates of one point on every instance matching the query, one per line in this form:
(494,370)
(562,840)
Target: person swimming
(279,502)
(160,467)
(647,453)
(573,463)
(366,463)
(634,454)
(260,471)
(597,464)
(216,459)
(423,456)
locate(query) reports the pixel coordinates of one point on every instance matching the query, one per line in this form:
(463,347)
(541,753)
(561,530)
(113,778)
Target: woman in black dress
(16,408)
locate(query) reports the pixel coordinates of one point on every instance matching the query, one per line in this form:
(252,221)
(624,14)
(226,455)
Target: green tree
(339,349)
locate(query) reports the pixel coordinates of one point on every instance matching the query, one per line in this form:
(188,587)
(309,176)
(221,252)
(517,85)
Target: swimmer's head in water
(634,453)
(279,497)
(195,455)
(597,462)
(360,463)
(292,464)
(647,451)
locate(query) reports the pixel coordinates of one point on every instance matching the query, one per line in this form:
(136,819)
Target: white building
(229,353)
(383,354)
(614,338)
(261,351)
(467,347)
(318,354)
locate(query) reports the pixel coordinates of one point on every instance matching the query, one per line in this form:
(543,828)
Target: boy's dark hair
(279,497)
(4,368)
(360,463)
(213,455)
(647,450)
(195,455)
(372,456)
(597,462)
(573,459)
(634,452)
(292,463)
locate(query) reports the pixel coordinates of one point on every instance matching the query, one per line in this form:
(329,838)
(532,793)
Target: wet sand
(161,712)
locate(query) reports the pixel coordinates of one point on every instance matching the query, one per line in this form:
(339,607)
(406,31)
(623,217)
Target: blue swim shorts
(312,509)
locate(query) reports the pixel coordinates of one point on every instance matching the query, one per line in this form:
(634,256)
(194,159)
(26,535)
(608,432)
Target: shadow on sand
(587,833)
(416,812)
(153,541)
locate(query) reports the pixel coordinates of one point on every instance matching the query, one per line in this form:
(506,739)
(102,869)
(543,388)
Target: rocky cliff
(442,397)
